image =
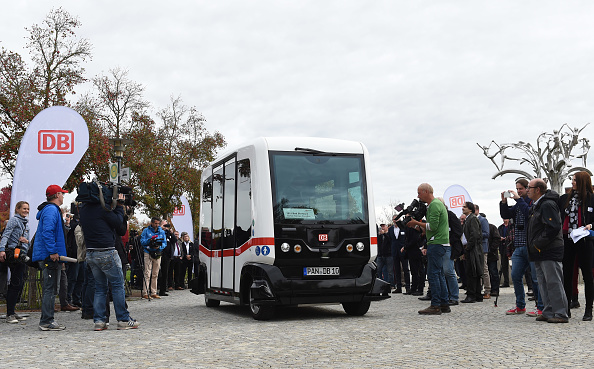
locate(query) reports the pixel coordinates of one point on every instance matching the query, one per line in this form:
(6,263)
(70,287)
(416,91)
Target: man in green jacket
(438,249)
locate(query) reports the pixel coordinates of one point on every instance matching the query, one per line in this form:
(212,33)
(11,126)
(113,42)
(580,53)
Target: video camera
(106,193)
(154,247)
(416,210)
(16,256)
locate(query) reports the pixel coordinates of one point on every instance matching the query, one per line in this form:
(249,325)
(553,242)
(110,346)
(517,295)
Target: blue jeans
(450,276)
(51,281)
(106,267)
(520,263)
(385,269)
(435,261)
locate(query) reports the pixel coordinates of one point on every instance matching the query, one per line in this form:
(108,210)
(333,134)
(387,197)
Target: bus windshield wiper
(318,152)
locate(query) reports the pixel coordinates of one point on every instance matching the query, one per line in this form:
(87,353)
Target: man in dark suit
(187,257)
(175,277)
(165,259)
(398,241)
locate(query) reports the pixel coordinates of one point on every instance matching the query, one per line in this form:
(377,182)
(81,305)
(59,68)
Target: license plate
(321,271)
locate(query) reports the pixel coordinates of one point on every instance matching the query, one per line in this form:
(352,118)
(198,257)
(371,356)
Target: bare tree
(58,55)
(551,159)
(118,98)
(387,212)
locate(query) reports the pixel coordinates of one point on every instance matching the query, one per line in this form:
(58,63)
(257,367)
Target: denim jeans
(51,280)
(450,276)
(435,276)
(106,267)
(520,263)
(385,269)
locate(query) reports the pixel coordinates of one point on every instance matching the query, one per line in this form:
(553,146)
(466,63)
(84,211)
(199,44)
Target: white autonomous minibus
(289,221)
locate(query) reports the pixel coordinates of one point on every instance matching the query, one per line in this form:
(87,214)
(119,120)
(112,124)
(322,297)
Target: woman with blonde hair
(15,241)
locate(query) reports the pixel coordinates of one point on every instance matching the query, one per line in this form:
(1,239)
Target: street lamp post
(119,144)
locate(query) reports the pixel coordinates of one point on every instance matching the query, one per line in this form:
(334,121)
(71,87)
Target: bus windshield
(318,188)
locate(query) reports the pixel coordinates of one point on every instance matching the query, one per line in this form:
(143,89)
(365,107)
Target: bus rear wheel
(356,308)
(260,312)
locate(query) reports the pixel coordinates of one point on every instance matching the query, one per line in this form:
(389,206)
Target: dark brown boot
(431,310)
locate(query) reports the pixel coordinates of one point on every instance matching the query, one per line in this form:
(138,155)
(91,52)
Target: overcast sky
(419,83)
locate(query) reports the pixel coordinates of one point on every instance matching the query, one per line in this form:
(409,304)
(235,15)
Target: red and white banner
(52,146)
(455,196)
(182,218)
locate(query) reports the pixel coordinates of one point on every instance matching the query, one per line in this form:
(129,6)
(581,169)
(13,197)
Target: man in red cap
(49,245)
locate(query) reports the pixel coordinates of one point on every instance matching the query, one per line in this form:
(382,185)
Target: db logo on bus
(55,142)
(179,211)
(323,237)
(457,201)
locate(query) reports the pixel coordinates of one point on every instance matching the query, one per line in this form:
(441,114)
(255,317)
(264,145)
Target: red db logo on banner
(180,211)
(457,201)
(323,237)
(55,142)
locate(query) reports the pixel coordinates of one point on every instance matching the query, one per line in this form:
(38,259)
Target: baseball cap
(53,189)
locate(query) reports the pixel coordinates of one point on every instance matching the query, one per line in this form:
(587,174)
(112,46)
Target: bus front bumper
(276,289)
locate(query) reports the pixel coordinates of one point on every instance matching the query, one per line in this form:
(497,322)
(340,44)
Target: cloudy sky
(419,83)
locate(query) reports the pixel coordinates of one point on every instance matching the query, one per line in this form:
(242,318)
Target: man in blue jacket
(153,242)
(49,246)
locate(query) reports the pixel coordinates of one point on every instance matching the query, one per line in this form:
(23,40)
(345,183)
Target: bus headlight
(285,247)
(349,247)
(297,248)
(360,246)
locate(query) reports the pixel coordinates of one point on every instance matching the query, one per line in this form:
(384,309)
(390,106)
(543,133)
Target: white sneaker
(130,324)
(12,319)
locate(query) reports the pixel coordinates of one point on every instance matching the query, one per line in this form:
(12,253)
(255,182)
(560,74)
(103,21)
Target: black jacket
(414,242)
(494,243)
(455,235)
(545,240)
(587,209)
(473,250)
(101,227)
(384,245)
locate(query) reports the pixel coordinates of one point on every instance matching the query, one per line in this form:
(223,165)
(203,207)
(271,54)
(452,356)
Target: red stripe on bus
(260,241)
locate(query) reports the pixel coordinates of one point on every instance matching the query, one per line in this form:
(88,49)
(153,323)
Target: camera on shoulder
(106,194)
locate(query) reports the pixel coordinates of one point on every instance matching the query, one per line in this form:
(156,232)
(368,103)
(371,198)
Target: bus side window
(229,205)
(244,202)
(217,208)
(206,208)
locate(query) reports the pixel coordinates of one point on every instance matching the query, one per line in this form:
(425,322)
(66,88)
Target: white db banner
(52,146)
(182,218)
(455,196)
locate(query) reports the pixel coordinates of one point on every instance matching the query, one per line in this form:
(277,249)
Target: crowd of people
(85,257)
(546,237)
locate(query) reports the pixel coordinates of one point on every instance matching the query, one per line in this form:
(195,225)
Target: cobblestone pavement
(179,331)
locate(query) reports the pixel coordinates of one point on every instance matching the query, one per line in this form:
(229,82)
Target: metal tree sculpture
(551,159)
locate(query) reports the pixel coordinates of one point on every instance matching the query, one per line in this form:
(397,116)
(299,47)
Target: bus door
(217,226)
(228,258)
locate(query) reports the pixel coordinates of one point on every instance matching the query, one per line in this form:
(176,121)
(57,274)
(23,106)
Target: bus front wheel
(260,312)
(356,308)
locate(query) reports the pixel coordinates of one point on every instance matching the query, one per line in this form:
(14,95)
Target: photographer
(153,242)
(15,237)
(101,228)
